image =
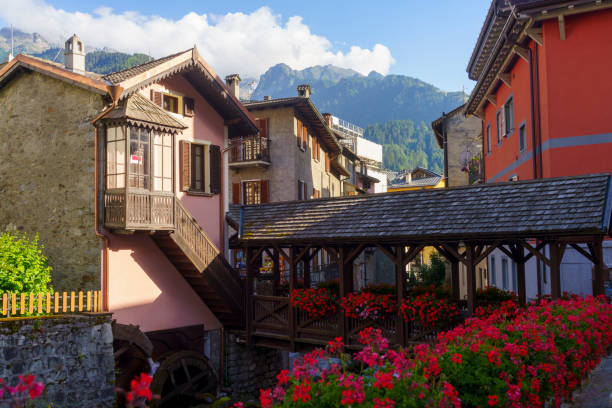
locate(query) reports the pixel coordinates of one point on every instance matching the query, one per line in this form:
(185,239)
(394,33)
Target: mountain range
(394,110)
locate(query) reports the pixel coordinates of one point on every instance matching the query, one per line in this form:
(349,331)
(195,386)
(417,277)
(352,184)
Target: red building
(543,90)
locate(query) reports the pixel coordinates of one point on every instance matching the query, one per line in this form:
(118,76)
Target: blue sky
(428,40)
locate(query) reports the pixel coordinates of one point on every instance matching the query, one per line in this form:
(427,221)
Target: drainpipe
(114,92)
(535,147)
(445,146)
(537,86)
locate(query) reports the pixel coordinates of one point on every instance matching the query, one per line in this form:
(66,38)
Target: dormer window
(171,103)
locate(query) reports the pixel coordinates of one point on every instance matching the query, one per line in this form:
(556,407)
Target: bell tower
(74,54)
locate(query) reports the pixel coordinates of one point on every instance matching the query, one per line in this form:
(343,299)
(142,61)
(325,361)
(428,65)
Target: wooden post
(250,274)
(400,285)
(520,278)
(275,269)
(455,279)
(344,290)
(599,267)
(292,286)
(306,264)
(471,278)
(556,256)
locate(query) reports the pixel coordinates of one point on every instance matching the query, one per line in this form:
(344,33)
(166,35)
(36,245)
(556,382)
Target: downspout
(114,92)
(445,145)
(537,81)
(535,147)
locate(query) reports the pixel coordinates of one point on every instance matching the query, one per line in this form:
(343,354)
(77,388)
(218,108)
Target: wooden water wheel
(132,350)
(183,378)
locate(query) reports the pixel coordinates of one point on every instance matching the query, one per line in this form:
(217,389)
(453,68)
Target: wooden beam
(354,253)
(520,280)
(486,253)
(250,274)
(455,279)
(292,285)
(400,285)
(331,251)
(561,19)
(555,270)
(314,253)
(302,253)
(282,253)
(492,100)
(505,78)
(256,255)
(506,251)
(471,279)
(522,52)
(599,268)
(535,34)
(454,252)
(535,253)
(538,247)
(412,253)
(584,253)
(387,251)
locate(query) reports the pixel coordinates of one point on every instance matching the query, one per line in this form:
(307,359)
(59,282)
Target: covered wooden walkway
(465,224)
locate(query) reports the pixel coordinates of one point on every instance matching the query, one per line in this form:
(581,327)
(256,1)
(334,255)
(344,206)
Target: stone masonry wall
(462,133)
(71,355)
(249,369)
(47,173)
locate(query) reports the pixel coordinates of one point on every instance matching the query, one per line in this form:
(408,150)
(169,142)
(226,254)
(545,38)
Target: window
(499,123)
(115,157)
(170,103)
(299,133)
(198,173)
(200,168)
(522,141)
(253,192)
(505,273)
(488,138)
(316,193)
(162,161)
(509,117)
(139,158)
(304,138)
(492,274)
(188,106)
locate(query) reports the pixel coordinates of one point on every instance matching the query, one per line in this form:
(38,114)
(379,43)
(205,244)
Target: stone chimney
(74,55)
(303,90)
(233,83)
(327,117)
(267,98)
(408,177)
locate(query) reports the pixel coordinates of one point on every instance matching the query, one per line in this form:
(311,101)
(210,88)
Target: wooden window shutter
(156,98)
(299,133)
(185,165)
(215,169)
(314,192)
(314,148)
(188,106)
(265,191)
(236,193)
(304,138)
(503,120)
(263,127)
(318,150)
(327,163)
(305,192)
(300,189)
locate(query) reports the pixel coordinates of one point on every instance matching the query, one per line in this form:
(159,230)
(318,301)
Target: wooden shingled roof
(544,208)
(138,110)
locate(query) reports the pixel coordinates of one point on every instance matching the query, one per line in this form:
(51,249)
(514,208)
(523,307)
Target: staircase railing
(203,253)
(193,236)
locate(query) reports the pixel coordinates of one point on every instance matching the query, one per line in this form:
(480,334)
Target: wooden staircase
(202,265)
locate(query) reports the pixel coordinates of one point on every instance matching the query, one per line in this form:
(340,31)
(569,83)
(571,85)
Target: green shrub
(379,289)
(23,267)
(434,273)
(333,286)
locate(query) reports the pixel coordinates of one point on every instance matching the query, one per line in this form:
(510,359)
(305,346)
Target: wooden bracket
(535,34)
(584,253)
(505,78)
(535,252)
(492,100)
(561,20)
(387,251)
(522,52)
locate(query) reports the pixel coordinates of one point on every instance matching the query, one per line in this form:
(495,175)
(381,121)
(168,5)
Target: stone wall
(249,369)
(71,355)
(47,173)
(462,133)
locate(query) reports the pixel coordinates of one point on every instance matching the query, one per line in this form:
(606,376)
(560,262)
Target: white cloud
(236,42)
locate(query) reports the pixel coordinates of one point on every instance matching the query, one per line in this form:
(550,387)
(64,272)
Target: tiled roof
(119,76)
(422,182)
(141,111)
(565,206)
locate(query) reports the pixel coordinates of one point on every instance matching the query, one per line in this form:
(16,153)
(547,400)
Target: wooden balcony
(250,151)
(132,211)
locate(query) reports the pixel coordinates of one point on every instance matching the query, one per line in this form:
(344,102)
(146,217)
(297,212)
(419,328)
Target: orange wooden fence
(23,304)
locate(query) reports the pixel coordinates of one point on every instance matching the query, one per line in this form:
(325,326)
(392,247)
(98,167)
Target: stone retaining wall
(71,355)
(249,369)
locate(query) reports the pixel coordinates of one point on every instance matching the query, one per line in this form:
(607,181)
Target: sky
(429,40)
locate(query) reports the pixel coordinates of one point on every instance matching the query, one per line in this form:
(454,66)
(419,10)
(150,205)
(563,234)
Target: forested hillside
(101,62)
(406,145)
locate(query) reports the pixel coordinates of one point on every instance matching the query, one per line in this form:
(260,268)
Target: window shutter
(236,193)
(263,127)
(300,189)
(305,192)
(215,169)
(318,150)
(156,98)
(185,165)
(304,138)
(299,133)
(188,106)
(314,192)
(264,191)
(503,120)
(314,148)
(327,163)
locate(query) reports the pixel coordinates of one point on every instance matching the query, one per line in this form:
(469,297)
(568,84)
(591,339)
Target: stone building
(461,138)
(124,178)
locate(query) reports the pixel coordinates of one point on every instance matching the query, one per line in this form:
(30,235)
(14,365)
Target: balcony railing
(138,210)
(250,150)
